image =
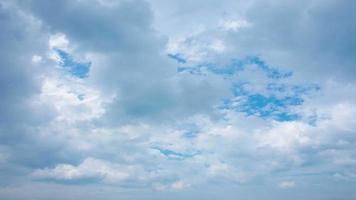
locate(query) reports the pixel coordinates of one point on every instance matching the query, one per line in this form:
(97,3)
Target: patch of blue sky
(191,133)
(262,106)
(276,87)
(312,119)
(271,72)
(285,116)
(188,129)
(191,130)
(276,104)
(278,101)
(235,66)
(177,57)
(197,70)
(238,88)
(229,69)
(259,101)
(78,69)
(305,89)
(295,90)
(173,154)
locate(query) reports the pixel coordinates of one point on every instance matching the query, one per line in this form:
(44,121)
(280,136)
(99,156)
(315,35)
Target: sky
(172,100)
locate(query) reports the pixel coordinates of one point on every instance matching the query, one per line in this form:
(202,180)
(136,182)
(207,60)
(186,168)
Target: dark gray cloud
(312,37)
(21,38)
(122,26)
(17,83)
(131,59)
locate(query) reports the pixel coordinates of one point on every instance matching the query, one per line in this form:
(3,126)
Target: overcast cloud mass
(172,100)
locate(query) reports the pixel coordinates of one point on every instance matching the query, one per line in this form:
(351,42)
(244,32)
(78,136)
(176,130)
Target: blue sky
(134,99)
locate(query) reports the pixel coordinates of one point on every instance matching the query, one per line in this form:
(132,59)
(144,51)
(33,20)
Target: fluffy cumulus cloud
(137,99)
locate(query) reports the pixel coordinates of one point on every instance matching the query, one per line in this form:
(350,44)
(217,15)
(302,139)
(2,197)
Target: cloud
(234,25)
(89,169)
(286,184)
(157,100)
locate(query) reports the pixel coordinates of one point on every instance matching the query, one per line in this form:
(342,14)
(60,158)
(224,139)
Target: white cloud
(234,25)
(36,59)
(90,168)
(218,46)
(58,41)
(286,184)
(178,185)
(71,99)
(285,135)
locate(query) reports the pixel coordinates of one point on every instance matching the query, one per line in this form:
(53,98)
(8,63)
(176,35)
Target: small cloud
(36,59)
(234,25)
(58,41)
(217,45)
(286,184)
(180,185)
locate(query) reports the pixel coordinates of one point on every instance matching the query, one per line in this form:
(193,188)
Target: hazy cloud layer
(161,99)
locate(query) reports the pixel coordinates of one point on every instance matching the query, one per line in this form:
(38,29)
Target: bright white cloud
(36,58)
